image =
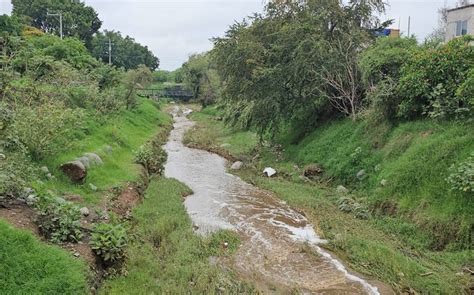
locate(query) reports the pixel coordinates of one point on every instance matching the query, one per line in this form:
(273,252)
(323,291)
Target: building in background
(460,22)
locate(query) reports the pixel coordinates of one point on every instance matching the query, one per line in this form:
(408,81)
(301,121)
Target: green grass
(29,266)
(166,257)
(124,133)
(413,157)
(216,135)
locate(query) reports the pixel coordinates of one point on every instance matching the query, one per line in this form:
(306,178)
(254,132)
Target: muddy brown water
(280,250)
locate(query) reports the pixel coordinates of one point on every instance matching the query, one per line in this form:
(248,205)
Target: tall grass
(28,266)
(124,133)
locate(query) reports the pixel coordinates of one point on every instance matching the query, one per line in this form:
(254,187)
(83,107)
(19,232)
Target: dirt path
(280,250)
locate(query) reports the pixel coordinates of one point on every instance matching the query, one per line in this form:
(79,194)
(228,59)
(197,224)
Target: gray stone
(84,211)
(49,176)
(341,189)
(383,182)
(237,165)
(2,157)
(94,159)
(85,161)
(108,149)
(44,169)
(92,187)
(361,174)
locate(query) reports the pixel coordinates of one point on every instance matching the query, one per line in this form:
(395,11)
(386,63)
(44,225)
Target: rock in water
(269,172)
(237,165)
(75,170)
(94,158)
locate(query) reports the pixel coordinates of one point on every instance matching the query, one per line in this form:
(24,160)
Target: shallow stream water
(280,250)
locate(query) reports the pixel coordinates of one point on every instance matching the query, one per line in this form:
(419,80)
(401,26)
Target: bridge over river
(177,93)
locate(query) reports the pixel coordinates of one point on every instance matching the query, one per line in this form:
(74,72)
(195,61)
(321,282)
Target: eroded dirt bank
(280,250)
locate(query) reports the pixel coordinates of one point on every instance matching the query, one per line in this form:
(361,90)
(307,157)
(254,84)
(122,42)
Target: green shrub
(430,79)
(349,205)
(60,221)
(108,241)
(383,101)
(462,176)
(45,129)
(151,156)
(385,59)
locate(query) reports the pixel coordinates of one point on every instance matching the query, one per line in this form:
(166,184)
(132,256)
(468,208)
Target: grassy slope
(30,267)
(124,133)
(166,256)
(41,269)
(393,249)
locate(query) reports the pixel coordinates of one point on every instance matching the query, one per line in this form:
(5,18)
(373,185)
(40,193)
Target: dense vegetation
(293,79)
(388,118)
(58,102)
(126,52)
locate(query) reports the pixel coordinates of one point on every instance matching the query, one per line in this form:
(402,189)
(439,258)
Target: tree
(296,64)
(126,52)
(201,78)
(79,20)
(134,80)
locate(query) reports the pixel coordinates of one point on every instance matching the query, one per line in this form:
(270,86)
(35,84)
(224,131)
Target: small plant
(108,241)
(462,176)
(60,221)
(349,205)
(151,156)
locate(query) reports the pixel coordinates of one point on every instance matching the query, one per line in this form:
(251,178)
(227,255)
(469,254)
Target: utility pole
(110,52)
(409,25)
(60,14)
(109,45)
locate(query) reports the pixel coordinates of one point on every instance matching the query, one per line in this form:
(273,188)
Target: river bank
(383,247)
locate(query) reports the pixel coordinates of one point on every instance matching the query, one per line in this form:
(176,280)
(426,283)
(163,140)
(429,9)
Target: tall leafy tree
(296,63)
(126,52)
(79,20)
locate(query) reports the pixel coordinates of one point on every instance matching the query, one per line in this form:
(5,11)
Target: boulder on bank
(75,170)
(94,159)
(84,160)
(313,170)
(237,165)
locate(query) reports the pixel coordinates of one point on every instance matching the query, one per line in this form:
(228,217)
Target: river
(280,250)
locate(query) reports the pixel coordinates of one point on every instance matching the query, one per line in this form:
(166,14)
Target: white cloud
(173,29)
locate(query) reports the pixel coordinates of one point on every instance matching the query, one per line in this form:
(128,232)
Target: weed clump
(462,176)
(109,241)
(60,221)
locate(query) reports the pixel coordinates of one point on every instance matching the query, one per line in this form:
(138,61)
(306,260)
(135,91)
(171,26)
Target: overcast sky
(173,29)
